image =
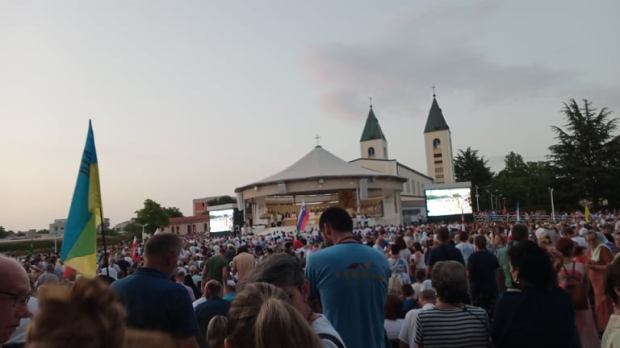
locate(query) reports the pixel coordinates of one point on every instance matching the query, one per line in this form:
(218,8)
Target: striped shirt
(465,327)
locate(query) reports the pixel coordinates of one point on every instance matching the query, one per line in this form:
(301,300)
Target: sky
(195,98)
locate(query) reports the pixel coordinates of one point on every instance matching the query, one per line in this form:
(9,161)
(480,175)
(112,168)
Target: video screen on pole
(452,201)
(221,220)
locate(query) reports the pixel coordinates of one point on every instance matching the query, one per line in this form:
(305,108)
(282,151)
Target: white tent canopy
(318,163)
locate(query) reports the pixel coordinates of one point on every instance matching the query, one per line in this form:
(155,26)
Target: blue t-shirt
(154,302)
(351,280)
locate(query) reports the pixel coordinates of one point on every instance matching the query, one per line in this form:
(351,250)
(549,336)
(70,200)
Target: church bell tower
(373,142)
(438,144)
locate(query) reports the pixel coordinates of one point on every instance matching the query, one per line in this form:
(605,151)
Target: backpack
(575,289)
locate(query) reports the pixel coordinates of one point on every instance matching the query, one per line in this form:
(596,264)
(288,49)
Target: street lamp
(477,201)
(491,198)
(552,205)
(142,229)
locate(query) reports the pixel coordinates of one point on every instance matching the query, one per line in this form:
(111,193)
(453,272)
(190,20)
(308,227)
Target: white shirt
(407,331)
(199,301)
(393,327)
(466,250)
(322,325)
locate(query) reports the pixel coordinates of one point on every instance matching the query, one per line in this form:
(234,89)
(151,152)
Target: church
(374,188)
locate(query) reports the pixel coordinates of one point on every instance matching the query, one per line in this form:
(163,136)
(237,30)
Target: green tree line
(583,165)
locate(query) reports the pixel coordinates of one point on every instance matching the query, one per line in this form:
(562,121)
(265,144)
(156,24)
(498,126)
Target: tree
(153,216)
(3,232)
(524,182)
(222,200)
(585,157)
(468,166)
(173,212)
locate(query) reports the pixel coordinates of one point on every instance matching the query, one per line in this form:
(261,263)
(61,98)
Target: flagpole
(105,248)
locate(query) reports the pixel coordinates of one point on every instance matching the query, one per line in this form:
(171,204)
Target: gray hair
(450,280)
(161,244)
(280,270)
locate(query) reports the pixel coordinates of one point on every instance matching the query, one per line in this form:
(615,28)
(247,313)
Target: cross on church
(317,138)
(370,98)
(434,91)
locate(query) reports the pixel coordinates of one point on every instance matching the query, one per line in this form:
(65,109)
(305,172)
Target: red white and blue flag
(302,219)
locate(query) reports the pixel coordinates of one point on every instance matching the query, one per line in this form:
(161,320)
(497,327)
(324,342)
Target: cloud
(419,51)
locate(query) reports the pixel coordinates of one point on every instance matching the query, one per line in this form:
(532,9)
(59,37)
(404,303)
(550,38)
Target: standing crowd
(490,284)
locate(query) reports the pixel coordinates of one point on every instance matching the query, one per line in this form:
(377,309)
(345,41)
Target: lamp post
(491,198)
(477,200)
(142,229)
(552,205)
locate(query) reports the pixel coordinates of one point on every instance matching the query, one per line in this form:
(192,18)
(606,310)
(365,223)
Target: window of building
(437,155)
(189,229)
(439,170)
(436,143)
(204,227)
(439,162)
(439,176)
(371,152)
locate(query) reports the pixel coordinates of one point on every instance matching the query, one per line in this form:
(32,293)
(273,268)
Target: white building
(58,227)
(321,180)
(374,156)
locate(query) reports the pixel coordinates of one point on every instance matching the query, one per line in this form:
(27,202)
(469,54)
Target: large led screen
(450,201)
(221,220)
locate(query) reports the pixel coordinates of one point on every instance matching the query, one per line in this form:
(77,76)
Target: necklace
(348,239)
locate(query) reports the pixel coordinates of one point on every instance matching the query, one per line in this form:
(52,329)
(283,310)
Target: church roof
(435,120)
(372,130)
(316,164)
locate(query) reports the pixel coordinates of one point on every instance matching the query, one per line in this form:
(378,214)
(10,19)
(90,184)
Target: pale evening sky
(194,98)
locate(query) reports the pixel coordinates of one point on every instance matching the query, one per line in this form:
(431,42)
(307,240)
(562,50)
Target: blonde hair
(86,315)
(261,316)
(216,331)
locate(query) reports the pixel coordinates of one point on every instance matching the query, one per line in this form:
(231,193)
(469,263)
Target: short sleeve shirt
(436,328)
(445,252)
(213,268)
(351,280)
(482,267)
(154,302)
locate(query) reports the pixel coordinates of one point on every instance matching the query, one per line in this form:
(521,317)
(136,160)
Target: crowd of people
(479,284)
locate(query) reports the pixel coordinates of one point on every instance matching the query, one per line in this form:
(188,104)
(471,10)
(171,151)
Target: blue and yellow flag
(79,247)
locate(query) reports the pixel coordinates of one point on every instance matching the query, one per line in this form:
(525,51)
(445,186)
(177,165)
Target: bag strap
(332,339)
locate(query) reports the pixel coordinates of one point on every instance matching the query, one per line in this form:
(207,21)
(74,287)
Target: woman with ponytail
(261,316)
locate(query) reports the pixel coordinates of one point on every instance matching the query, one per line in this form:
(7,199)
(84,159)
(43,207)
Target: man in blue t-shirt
(351,281)
(152,300)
